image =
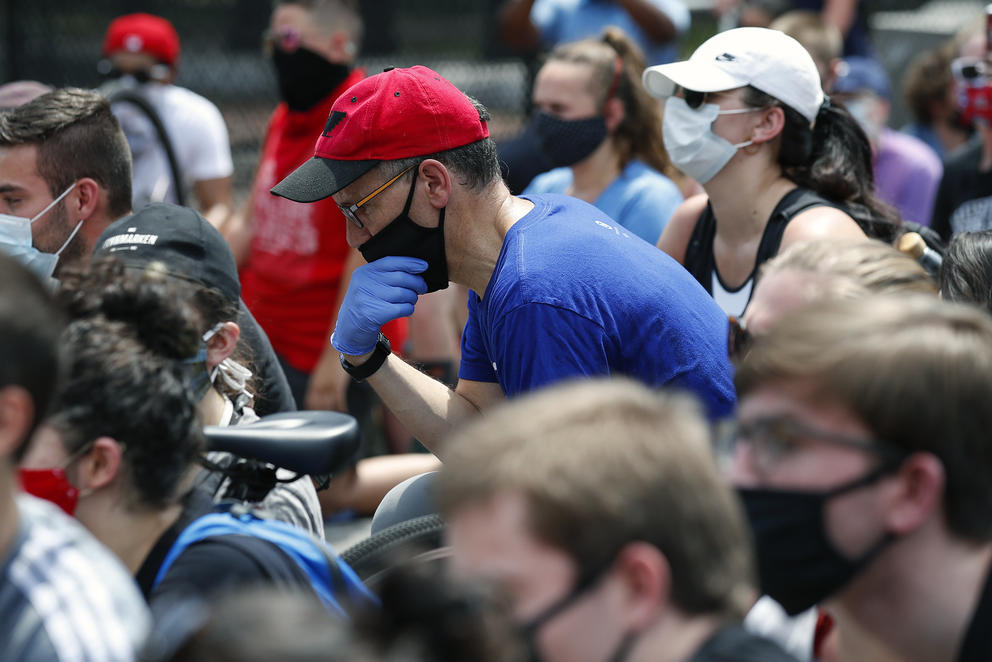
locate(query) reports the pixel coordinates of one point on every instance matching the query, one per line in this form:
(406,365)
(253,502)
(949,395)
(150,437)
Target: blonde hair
(852,268)
(917,371)
(602,463)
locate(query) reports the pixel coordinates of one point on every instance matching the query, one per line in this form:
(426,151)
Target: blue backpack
(330,577)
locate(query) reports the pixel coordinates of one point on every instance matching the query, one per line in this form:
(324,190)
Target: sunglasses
(692,98)
(286,40)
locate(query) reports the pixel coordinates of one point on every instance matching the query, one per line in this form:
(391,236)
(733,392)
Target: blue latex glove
(379,292)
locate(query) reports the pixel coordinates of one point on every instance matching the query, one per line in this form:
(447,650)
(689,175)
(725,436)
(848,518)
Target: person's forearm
(515,27)
(657,25)
(840,14)
(427,408)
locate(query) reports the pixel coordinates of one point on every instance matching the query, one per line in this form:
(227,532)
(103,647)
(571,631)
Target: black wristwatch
(374,362)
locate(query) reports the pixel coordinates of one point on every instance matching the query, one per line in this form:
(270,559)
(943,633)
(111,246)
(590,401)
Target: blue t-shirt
(562,21)
(641,199)
(575,294)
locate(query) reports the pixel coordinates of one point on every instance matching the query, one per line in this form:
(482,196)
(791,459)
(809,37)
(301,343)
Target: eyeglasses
(738,339)
(772,439)
(287,39)
(351,212)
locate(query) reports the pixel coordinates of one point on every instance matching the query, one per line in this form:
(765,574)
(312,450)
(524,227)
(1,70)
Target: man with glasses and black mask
(863,459)
(559,289)
(140,59)
(603,518)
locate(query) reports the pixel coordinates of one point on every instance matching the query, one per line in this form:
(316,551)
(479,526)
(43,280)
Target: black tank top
(699,259)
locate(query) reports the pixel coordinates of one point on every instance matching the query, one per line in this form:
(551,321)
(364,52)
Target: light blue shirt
(562,21)
(641,199)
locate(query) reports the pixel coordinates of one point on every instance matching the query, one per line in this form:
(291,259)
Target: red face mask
(51,485)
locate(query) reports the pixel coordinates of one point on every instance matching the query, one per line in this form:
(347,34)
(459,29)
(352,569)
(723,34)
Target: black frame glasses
(774,437)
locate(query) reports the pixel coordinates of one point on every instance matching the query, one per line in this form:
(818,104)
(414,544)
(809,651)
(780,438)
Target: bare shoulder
(675,237)
(821,223)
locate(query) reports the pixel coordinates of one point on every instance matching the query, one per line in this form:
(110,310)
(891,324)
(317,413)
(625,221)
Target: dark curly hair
(125,377)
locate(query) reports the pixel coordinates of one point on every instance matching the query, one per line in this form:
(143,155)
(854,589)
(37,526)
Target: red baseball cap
(143,33)
(397,114)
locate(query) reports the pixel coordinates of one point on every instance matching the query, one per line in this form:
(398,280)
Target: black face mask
(529,630)
(306,78)
(566,142)
(405,238)
(798,565)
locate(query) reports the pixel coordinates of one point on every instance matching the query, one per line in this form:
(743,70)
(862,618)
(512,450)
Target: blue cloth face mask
(16,241)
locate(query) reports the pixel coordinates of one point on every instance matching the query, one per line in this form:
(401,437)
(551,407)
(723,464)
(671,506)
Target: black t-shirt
(735,644)
(215,564)
(961,182)
(977,644)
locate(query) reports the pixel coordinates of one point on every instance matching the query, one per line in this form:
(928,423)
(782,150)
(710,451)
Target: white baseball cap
(768,60)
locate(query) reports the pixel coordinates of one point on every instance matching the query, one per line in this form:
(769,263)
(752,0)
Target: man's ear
(771,125)
(915,493)
(221,345)
(84,200)
(16,415)
(436,178)
(647,579)
(100,466)
(613,113)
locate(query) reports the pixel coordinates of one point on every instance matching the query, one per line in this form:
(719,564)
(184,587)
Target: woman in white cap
(602,132)
(746,117)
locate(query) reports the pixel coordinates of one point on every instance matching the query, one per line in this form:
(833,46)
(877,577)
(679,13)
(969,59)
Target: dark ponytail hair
(834,159)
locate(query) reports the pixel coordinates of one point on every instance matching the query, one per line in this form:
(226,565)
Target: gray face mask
(692,146)
(16,241)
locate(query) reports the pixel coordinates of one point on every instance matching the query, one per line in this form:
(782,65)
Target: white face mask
(16,241)
(692,146)
(233,375)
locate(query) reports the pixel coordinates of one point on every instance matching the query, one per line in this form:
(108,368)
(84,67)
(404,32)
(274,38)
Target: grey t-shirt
(294,502)
(64,596)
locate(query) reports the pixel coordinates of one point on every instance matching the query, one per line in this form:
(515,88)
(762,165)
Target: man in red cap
(559,289)
(141,52)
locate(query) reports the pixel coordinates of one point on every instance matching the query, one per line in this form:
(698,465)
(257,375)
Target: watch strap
(372,364)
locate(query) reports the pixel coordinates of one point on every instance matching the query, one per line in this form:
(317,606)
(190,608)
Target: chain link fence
(58,42)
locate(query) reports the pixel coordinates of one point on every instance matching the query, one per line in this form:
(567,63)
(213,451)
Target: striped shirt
(63,596)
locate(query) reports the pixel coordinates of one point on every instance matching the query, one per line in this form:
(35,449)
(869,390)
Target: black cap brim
(319,178)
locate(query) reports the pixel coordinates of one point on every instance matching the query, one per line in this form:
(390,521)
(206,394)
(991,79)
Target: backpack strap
(329,577)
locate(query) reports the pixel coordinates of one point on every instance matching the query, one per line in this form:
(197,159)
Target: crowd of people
(712,387)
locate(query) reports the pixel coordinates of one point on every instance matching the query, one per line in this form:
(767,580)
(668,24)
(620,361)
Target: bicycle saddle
(307,442)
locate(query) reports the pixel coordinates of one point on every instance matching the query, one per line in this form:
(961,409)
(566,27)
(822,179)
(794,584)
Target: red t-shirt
(291,277)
